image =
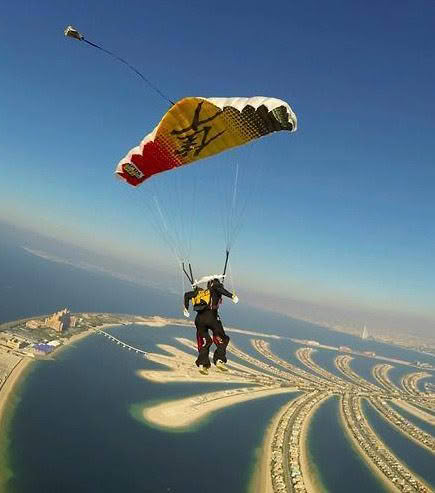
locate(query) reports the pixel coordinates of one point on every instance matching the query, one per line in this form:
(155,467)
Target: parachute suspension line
(189,274)
(231,278)
(228,266)
(240,203)
(73,33)
(233,207)
(226,262)
(228,195)
(182,221)
(170,206)
(162,217)
(165,234)
(191,225)
(236,180)
(236,212)
(180,264)
(253,192)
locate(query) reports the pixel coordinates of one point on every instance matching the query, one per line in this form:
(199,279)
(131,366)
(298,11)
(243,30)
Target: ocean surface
(411,454)
(76,425)
(339,466)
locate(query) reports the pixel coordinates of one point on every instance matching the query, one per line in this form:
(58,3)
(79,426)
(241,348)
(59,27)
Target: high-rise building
(60,321)
(365,333)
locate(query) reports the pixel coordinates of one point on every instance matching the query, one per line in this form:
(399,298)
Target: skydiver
(206,303)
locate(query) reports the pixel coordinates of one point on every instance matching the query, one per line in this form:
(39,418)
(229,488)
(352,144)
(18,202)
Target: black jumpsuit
(208,319)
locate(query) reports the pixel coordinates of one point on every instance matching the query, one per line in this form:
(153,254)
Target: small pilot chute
(185,202)
(72,32)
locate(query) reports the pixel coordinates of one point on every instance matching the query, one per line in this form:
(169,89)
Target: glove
(235,298)
(186,313)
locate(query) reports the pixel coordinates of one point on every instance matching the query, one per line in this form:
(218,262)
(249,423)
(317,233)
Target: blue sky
(345,213)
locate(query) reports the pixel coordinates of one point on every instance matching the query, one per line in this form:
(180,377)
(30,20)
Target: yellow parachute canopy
(196,128)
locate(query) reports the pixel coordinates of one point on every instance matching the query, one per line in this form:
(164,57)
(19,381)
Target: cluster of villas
(385,461)
(403,424)
(285,465)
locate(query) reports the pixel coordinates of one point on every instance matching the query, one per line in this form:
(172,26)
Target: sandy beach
(157,321)
(309,475)
(11,383)
(262,480)
(415,411)
(6,392)
(8,387)
(183,413)
(370,464)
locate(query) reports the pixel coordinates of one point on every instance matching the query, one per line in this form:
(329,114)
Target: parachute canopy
(196,128)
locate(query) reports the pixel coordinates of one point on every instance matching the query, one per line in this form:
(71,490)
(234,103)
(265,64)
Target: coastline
(311,481)
(429,418)
(81,335)
(6,395)
(369,463)
(184,413)
(11,384)
(261,481)
(14,377)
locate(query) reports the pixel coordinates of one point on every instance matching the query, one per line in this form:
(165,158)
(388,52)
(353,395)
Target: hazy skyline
(346,215)
(114,270)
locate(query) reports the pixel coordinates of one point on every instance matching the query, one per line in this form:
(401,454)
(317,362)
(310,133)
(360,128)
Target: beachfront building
(34,324)
(54,343)
(15,343)
(60,321)
(42,349)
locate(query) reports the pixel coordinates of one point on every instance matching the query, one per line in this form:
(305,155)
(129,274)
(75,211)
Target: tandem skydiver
(206,303)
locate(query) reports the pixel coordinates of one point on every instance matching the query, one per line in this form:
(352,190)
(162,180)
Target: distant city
(408,341)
